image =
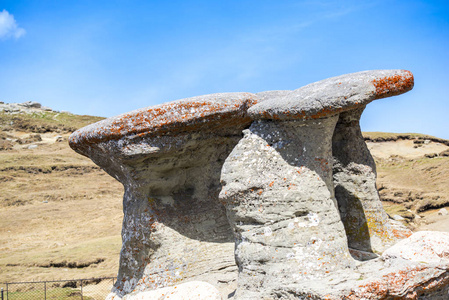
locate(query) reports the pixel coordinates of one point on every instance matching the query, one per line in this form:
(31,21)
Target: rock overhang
(214,113)
(334,95)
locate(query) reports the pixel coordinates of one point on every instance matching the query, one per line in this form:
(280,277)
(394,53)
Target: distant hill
(61,215)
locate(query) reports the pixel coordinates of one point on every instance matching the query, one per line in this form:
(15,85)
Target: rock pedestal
(278,190)
(366,222)
(169,159)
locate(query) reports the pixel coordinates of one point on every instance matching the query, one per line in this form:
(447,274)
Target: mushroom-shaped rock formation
(279,183)
(169,158)
(366,223)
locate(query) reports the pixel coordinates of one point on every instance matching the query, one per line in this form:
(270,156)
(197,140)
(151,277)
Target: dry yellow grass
(57,208)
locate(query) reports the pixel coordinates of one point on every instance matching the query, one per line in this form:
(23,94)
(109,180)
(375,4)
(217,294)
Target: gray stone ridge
(261,196)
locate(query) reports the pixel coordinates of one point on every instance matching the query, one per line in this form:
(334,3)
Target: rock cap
(200,113)
(334,95)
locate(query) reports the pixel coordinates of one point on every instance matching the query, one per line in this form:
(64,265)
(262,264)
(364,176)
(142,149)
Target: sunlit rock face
(261,196)
(278,191)
(169,159)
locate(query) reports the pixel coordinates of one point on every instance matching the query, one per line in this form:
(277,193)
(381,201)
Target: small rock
(422,246)
(443,212)
(59,138)
(431,155)
(32,147)
(417,217)
(46,108)
(397,218)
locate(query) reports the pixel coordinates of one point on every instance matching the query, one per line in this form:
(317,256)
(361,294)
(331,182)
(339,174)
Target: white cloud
(8,26)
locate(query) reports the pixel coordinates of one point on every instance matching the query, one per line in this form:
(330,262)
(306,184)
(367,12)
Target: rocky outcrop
(169,157)
(25,107)
(296,194)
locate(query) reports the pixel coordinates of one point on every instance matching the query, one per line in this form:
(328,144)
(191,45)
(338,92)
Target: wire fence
(84,289)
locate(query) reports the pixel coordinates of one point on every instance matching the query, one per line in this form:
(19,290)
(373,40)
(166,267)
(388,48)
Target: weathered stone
(299,191)
(186,291)
(169,158)
(335,95)
(272,95)
(278,191)
(366,222)
(31,104)
(403,272)
(423,247)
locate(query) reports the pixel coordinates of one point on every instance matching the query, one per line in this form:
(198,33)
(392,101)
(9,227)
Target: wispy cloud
(9,27)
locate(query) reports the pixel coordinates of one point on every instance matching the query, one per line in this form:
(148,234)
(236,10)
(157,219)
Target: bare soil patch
(413,178)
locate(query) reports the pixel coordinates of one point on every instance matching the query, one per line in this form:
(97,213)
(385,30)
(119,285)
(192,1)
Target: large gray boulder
(169,158)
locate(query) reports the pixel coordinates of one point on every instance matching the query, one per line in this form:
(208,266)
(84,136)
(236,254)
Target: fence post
(81,290)
(45,290)
(2,294)
(7,291)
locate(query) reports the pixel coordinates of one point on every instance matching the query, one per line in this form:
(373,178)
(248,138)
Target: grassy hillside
(60,215)
(45,121)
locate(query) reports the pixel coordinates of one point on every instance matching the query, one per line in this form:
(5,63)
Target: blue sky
(109,57)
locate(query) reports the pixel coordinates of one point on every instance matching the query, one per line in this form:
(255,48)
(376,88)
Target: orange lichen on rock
(209,112)
(394,85)
(408,283)
(334,95)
